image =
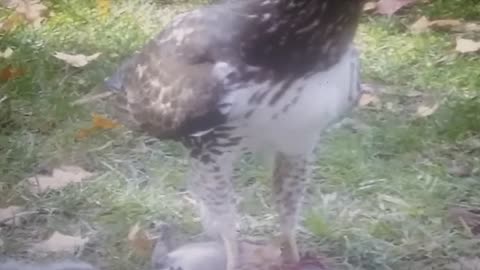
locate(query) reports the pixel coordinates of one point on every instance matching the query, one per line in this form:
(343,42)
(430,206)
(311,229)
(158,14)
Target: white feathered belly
(299,116)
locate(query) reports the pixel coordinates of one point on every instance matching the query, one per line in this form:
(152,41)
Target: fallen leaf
(60,243)
(472,27)
(421,25)
(368,99)
(99,122)
(33,11)
(369,6)
(141,243)
(11,22)
(6,53)
(103,7)
(425,111)
(445,24)
(390,7)
(424,24)
(102,122)
(59,178)
(8,215)
(467,45)
(76,60)
(10,73)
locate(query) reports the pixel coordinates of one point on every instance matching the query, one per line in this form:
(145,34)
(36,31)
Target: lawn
(388,182)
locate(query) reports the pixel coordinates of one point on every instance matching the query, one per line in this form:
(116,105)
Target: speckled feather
(175,85)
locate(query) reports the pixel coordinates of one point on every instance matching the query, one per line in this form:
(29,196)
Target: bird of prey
(239,75)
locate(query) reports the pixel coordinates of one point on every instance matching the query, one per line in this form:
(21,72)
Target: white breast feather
(325,98)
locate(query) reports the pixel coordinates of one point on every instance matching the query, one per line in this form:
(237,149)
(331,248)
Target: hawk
(236,76)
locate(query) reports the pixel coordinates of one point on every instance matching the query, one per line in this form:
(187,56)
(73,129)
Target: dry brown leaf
(467,45)
(11,22)
(6,53)
(389,7)
(60,243)
(421,25)
(76,60)
(99,122)
(8,215)
(425,111)
(368,99)
(140,241)
(33,11)
(102,122)
(59,178)
(472,27)
(370,6)
(424,24)
(10,73)
(445,24)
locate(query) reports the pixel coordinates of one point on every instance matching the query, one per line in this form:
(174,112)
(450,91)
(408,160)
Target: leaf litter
(31,11)
(59,242)
(423,24)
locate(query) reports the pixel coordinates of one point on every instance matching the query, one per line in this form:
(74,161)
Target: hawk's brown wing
(169,89)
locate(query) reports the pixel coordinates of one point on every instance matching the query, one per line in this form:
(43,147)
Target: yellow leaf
(60,243)
(467,45)
(102,122)
(99,122)
(141,243)
(59,178)
(103,7)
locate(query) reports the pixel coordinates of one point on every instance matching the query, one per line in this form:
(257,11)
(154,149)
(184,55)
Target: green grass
(382,187)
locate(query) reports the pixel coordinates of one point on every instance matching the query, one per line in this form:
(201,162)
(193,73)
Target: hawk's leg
(289,177)
(211,184)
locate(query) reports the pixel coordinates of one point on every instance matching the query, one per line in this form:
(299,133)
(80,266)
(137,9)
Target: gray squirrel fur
(166,255)
(61,265)
(193,256)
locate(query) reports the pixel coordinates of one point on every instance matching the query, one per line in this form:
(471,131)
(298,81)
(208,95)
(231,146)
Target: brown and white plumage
(241,75)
